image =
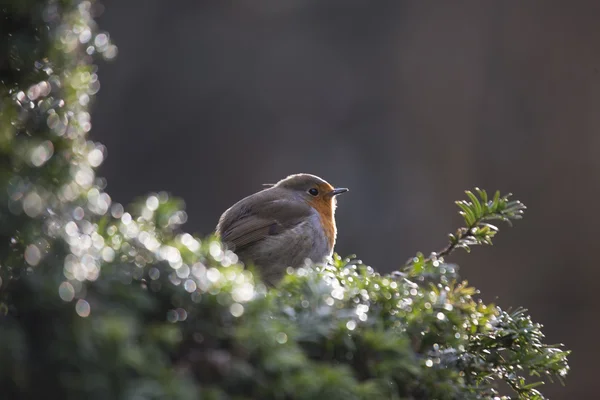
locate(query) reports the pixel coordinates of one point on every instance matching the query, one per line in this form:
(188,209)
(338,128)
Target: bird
(283,225)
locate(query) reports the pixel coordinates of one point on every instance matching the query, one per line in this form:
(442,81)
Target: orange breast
(325,208)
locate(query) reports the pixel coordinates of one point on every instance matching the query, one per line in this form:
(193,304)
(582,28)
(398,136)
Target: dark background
(406,103)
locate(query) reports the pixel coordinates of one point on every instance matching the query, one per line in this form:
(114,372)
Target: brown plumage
(283,225)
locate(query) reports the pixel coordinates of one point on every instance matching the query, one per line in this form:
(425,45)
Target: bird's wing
(249,222)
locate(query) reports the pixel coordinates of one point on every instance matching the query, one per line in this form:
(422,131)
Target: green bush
(99,302)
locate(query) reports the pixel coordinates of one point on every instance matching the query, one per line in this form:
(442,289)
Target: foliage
(98,302)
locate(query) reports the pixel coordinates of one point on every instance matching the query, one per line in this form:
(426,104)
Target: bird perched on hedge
(283,225)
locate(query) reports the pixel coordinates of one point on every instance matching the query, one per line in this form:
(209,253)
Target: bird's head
(314,190)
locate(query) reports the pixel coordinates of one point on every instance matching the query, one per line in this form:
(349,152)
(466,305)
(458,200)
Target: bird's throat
(326,215)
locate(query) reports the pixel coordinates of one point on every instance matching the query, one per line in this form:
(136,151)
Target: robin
(283,225)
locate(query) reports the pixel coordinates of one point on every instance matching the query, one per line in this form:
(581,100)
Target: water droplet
(181,314)
(351,325)
(21,97)
(172,316)
(33,255)
(101,41)
(243,293)
(84,176)
(32,204)
(71,228)
(126,218)
(41,153)
(236,310)
(183,271)
(95,157)
(338,293)
(97,241)
(108,254)
(110,52)
(198,270)
(85,35)
(149,241)
(281,338)
(152,203)
(213,274)
(82,308)
(188,240)
(215,251)
(189,286)
(66,291)
(78,213)
(154,273)
(116,210)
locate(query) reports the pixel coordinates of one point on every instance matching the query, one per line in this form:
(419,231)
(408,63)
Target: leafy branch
(477,213)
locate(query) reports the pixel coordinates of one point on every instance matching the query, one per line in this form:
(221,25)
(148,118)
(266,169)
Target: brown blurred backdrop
(406,103)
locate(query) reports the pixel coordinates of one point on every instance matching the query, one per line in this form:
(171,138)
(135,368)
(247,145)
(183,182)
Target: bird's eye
(313,192)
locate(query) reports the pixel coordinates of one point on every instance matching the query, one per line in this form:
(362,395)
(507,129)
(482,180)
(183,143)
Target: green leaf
(495,201)
(478,210)
(483,195)
(467,212)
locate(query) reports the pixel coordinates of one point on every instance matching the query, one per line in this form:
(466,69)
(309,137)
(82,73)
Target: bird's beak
(337,191)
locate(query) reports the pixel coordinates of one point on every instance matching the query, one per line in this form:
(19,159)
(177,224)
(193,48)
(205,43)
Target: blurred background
(406,103)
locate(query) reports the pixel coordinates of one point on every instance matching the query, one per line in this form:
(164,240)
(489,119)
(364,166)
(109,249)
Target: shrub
(101,302)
